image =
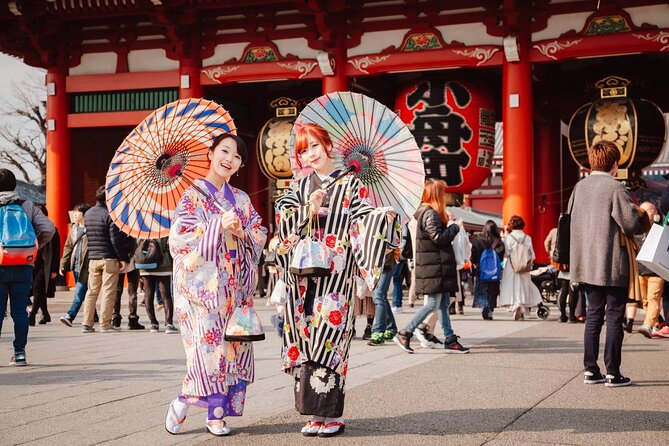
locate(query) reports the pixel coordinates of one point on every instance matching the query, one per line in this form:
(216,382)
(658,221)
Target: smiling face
(316,156)
(225,159)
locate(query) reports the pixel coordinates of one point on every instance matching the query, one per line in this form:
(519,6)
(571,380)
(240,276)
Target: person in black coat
(436,273)
(486,293)
(107,257)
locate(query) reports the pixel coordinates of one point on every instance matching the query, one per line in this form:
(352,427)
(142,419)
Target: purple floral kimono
(213,273)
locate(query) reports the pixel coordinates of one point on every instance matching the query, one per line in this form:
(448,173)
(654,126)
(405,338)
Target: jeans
(15,283)
(609,301)
(398,278)
(151,285)
(383,319)
(79,294)
(434,301)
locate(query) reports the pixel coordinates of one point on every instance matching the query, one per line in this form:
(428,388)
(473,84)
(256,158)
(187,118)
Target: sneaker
(154,328)
(87,329)
(421,335)
(367,335)
(19,359)
(661,333)
(433,339)
(454,346)
(646,331)
(388,335)
(116,322)
(66,320)
(134,325)
(111,329)
(396,310)
(563,319)
(617,381)
(403,341)
(376,340)
(593,378)
(171,329)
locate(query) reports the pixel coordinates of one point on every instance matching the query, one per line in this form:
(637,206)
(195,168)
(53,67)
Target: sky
(11,70)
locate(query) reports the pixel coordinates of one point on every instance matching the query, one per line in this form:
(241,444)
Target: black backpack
(148,254)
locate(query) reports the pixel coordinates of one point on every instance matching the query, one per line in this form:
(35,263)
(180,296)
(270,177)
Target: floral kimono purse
(243,325)
(311,258)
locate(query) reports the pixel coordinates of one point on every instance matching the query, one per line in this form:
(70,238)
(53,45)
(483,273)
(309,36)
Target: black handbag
(561,251)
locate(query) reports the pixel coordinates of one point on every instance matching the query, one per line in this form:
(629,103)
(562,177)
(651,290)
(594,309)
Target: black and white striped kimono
(357,235)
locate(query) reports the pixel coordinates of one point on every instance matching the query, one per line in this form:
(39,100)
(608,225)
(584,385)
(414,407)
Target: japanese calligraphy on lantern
(454,125)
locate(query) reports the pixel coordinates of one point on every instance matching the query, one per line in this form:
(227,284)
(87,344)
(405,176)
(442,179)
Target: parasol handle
(353,167)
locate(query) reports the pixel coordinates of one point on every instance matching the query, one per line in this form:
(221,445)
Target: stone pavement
(521,384)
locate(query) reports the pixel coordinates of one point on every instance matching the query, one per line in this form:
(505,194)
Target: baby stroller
(545,278)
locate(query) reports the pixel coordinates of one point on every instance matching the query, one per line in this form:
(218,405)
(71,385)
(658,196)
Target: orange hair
(434,195)
(302,134)
(603,155)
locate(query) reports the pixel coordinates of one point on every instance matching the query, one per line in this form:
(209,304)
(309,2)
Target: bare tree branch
(23,128)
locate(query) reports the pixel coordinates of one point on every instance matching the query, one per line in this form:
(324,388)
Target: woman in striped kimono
(319,316)
(215,268)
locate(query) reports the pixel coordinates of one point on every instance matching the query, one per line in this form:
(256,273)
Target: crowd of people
(333,259)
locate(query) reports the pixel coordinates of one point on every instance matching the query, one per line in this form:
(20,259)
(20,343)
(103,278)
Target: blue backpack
(490,268)
(18,241)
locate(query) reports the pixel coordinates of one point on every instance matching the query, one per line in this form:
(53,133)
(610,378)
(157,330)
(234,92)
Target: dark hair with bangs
(241,145)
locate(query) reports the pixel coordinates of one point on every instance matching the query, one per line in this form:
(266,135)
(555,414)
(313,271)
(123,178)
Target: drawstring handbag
(311,258)
(243,324)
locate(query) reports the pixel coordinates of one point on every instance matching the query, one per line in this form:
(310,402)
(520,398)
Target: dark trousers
(164,284)
(609,302)
(133,283)
(39,289)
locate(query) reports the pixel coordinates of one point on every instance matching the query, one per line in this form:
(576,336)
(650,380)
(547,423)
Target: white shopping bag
(462,248)
(279,293)
(654,253)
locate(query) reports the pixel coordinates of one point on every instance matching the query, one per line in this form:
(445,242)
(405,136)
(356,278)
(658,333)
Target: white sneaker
(396,310)
(424,343)
(217,427)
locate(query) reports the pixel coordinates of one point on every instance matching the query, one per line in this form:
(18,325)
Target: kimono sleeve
(372,234)
(195,241)
(292,217)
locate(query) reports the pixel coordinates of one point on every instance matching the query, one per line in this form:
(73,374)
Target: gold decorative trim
(660,37)
(216,73)
(365,62)
(481,54)
(549,49)
(301,67)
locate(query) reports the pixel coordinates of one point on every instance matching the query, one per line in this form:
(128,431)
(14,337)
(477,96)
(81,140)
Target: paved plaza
(521,385)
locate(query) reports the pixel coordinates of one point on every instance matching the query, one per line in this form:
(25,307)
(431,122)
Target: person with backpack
(436,272)
(516,289)
(23,228)
(154,263)
(487,254)
(75,259)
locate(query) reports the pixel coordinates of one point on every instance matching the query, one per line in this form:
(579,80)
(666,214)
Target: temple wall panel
(150,60)
(654,15)
(298,47)
(95,63)
(560,24)
(470,34)
(222,53)
(375,42)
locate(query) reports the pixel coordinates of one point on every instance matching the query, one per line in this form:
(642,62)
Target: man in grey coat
(601,208)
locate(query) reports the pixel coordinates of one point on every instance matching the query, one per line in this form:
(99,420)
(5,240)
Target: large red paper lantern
(453,122)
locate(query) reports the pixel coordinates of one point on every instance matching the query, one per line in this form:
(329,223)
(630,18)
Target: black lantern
(636,126)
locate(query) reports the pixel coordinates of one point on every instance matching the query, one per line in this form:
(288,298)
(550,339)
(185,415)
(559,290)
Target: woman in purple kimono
(215,268)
